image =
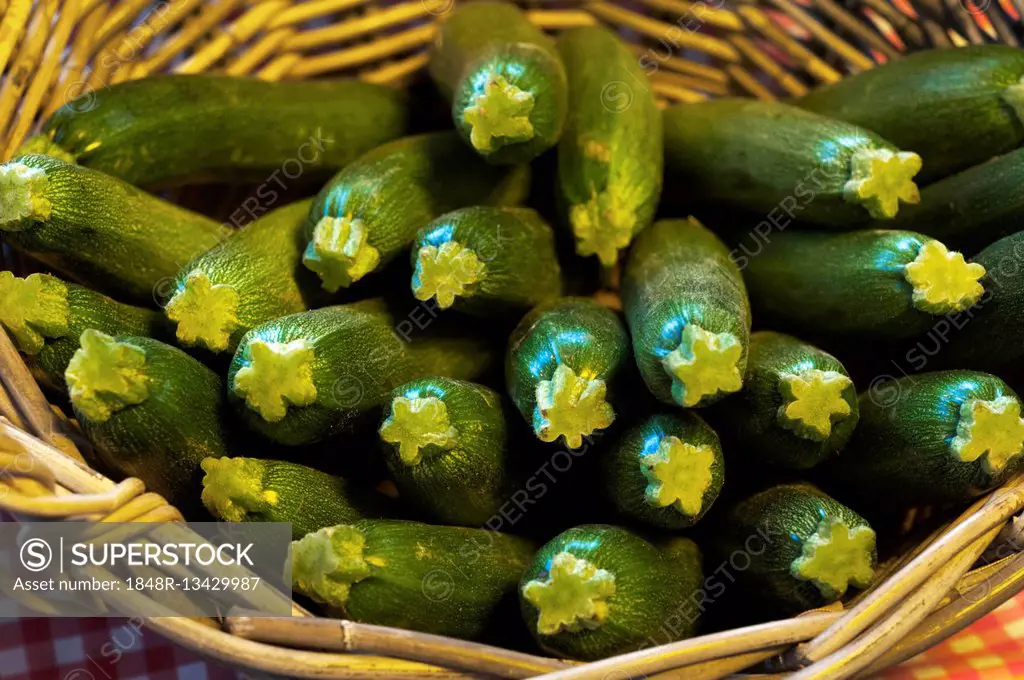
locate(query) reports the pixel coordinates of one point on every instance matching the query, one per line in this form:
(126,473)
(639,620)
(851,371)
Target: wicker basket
(56,50)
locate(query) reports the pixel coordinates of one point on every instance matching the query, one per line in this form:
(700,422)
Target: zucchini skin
(400,186)
(479,41)
(609,160)
(945,104)
(178,129)
(629,469)
(443,580)
(107,233)
(678,274)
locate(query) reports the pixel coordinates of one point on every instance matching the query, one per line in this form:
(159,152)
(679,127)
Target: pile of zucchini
(407,356)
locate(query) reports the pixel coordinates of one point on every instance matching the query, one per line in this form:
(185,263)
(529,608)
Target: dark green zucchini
(880,283)
(665,471)
(610,156)
(486,261)
(96,228)
(301,378)
(760,156)
(804,549)
(371,210)
(597,590)
(562,360)
(435,579)
(46,316)
(504,78)
(688,313)
(177,129)
(954,107)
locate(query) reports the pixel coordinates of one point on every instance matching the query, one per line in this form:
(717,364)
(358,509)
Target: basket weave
(56,50)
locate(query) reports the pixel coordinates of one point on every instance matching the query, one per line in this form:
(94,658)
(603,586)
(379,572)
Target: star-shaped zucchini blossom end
(943,281)
(704,365)
(415,424)
(570,406)
(678,475)
(501,111)
(105,376)
(446,273)
(327,563)
(837,556)
(33,308)
(990,428)
(340,253)
(573,598)
(277,375)
(880,179)
(206,313)
(23,199)
(814,401)
(233,488)
(603,226)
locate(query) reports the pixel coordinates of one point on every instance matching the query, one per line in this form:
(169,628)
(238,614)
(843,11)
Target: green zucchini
(256,490)
(303,377)
(446,446)
(97,228)
(666,471)
(688,313)
(598,590)
(610,156)
(954,107)
(504,78)
(371,210)
(486,261)
(800,548)
(563,359)
(46,316)
(444,580)
(760,156)
(881,283)
(177,129)
(151,411)
(933,437)
(798,405)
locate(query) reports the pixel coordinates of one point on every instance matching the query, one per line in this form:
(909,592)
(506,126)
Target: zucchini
(609,158)
(435,579)
(486,261)
(446,446)
(97,228)
(933,437)
(688,313)
(150,410)
(881,283)
(562,360)
(370,211)
(45,317)
(666,471)
(249,279)
(256,490)
(761,155)
(954,107)
(598,590)
(798,405)
(177,129)
(505,81)
(804,549)
(303,377)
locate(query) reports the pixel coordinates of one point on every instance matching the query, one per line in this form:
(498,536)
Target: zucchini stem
(570,406)
(327,563)
(837,556)
(33,308)
(943,281)
(1014,96)
(446,273)
(603,226)
(278,374)
(880,179)
(679,475)
(573,598)
(415,424)
(704,364)
(43,145)
(992,430)
(339,252)
(499,115)
(813,402)
(233,488)
(23,200)
(206,313)
(104,376)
